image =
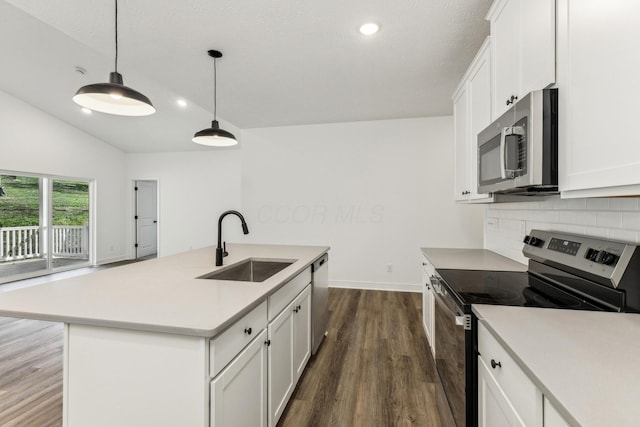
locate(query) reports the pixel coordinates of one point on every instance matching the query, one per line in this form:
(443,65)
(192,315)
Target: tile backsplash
(612,218)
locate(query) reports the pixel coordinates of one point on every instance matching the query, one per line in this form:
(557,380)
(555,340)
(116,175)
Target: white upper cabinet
(523,49)
(472,113)
(599,86)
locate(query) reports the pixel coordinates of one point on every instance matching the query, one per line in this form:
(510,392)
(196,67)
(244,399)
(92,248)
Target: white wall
(608,218)
(194,188)
(32,141)
(373,191)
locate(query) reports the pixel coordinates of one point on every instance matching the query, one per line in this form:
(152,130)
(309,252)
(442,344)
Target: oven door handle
(442,297)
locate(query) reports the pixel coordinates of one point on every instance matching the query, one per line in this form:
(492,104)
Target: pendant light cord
(215,89)
(116,65)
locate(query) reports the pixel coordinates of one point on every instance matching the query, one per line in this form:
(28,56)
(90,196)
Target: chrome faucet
(220,251)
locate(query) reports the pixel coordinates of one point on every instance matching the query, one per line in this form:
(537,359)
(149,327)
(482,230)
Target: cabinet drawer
(283,296)
(224,347)
(518,388)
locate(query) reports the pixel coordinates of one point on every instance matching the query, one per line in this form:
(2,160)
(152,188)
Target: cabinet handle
(267,343)
(299,307)
(512,100)
(295,309)
(494,364)
(247,331)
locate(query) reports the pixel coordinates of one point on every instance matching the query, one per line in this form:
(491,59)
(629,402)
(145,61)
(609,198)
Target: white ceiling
(286,62)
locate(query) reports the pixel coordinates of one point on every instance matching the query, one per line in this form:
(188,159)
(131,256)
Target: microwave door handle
(507,131)
(503,154)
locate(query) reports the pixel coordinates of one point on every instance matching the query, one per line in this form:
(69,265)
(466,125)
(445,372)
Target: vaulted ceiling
(286,62)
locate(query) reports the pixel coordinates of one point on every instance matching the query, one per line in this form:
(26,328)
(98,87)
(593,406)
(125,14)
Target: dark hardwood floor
(373,369)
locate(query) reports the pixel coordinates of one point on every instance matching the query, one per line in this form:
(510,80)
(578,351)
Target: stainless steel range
(566,271)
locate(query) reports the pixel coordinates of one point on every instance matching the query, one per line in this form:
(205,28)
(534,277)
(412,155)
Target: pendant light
(114,97)
(214,136)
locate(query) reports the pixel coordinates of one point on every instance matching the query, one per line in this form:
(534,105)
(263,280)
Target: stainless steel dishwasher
(320,301)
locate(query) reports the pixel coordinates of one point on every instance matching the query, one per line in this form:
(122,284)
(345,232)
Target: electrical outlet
(389,268)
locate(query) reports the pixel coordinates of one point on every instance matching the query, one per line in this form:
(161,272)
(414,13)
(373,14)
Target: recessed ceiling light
(182,103)
(86,110)
(369,28)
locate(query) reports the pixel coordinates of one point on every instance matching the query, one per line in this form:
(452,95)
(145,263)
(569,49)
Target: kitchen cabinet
(289,338)
(506,395)
(494,408)
(598,89)
(239,392)
(522,49)
(472,113)
(428,303)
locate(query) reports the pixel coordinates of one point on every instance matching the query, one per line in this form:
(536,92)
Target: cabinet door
(523,47)
(505,30)
(479,98)
(281,374)
(239,392)
(301,332)
(461,138)
(494,409)
(538,35)
(599,91)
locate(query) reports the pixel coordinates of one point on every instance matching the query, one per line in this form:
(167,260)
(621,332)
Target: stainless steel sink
(250,270)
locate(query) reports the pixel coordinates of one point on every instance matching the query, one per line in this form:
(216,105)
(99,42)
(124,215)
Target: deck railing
(18,243)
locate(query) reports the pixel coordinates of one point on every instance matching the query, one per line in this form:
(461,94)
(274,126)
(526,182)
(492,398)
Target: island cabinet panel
(283,296)
(289,352)
(239,392)
(228,344)
(302,332)
(118,377)
(281,377)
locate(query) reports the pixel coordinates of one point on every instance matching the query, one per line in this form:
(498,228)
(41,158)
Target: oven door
(450,351)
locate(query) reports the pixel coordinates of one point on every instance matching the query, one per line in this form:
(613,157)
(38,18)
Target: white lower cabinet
(428,303)
(302,332)
(289,351)
(506,395)
(494,408)
(239,392)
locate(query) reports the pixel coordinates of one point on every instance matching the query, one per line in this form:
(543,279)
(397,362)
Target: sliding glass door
(44,225)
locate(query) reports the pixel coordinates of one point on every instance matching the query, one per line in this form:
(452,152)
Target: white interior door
(146,218)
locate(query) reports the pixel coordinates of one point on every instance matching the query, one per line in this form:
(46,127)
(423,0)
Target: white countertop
(470,259)
(587,363)
(162,294)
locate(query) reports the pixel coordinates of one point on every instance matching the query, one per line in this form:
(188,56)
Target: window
(44,225)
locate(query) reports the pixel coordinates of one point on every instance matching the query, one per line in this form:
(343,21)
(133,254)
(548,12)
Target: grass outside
(20,202)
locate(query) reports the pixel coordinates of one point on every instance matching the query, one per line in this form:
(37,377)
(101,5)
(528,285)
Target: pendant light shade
(214,136)
(114,97)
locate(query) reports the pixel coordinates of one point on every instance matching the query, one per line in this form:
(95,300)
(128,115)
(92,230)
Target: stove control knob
(533,241)
(608,258)
(592,255)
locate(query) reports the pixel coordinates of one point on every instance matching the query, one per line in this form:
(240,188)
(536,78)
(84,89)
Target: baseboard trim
(376,286)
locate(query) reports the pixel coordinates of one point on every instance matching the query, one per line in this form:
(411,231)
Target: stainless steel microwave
(518,152)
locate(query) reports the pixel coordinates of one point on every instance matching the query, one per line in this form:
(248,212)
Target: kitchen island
(146,343)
